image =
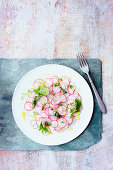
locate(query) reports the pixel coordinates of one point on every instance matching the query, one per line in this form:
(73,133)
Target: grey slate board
(11,138)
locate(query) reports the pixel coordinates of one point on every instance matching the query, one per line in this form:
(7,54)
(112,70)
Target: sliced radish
(54,79)
(43,114)
(66,79)
(62,110)
(62,98)
(38,109)
(59,129)
(50,111)
(49,97)
(54,124)
(46,106)
(52,117)
(37,117)
(37,83)
(28,106)
(63,85)
(43,100)
(49,83)
(69,119)
(73,96)
(35,126)
(56,89)
(56,100)
(30,99)
(47,111)
(43,120)
(62,122)
(71,91)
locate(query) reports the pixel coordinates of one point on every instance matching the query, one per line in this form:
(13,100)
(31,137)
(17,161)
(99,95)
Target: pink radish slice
(73,96)
(52,117)
(51,111)
(35,126)
(47,111)
(43,100)
(28,106)
(43,120)
(38,109)
(37,117)
(66,80)
(69,119)
(56,89)
(70,101)
(46,106)
(30,99)
(56,100)
(63,85)
(62,122)
(62,110)
(36,83)
(48,83)
(54,79)
(32,122)
(71,91)
(58,128)
(62,98)
(49,97)
(43,114)
(54,124)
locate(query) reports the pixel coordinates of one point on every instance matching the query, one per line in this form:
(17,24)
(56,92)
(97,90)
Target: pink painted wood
(56,29)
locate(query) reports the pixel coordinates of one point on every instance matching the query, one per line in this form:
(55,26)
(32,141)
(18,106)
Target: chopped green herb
(34,102)
(66,107)
(63,91)
(35,113)
(78,104)
(57,115)
(62,121)
(71,103)
(56,84)
(47,124)
(44,129)
(60,104)
(71,86)
(42,90)
(51,108)
(77,107)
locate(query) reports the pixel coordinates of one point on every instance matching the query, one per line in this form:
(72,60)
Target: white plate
(56,138)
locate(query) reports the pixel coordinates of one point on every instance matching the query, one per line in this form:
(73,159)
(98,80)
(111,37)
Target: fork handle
(100,102)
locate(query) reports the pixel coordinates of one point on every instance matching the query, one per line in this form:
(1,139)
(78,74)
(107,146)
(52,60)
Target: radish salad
(52,103)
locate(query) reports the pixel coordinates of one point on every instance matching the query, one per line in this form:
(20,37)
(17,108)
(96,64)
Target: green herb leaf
(57,115)
(34,102)
(47,124)
(71,86)
(78,104)
(43,129)
(63,91)
(77,107)
(42,90)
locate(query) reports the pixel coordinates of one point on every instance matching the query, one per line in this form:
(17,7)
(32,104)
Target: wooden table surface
(61,29)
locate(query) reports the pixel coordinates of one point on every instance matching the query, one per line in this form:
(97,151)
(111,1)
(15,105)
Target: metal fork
(85,68)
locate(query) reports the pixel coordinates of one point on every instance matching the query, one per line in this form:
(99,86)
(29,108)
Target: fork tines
(81,59)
